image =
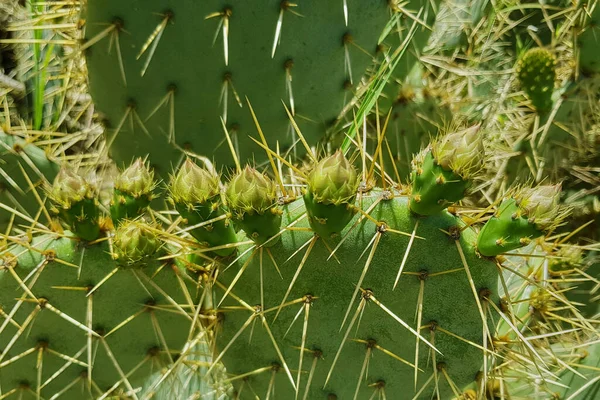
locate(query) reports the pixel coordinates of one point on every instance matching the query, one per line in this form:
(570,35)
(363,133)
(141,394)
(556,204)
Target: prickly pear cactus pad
(16,184)
(361,296)
(353,321)
(92,312)
(164,73)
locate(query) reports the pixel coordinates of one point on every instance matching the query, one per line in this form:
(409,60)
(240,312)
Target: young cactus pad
(175,69)
(537,74)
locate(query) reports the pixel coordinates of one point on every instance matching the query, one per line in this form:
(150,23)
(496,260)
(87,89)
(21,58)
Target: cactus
(92,310)
(536,71)
(308,317)
(70,281)
(175,90)
(17,185)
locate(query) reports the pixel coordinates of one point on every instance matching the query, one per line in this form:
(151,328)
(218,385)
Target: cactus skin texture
(322,294)
(64,320)
(193,79)
(536,71)
(318,318)
(85,317)
(17,194)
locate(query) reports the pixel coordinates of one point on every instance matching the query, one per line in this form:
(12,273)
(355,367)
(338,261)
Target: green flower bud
(333,180)
(134,242)
(540,204)
(75,203)
(461,152)
(137,180)
(252,198)
(69,188)
(193,184)
(251,192)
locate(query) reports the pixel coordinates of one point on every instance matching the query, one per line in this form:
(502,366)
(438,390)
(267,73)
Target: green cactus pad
(342,311)
(434,187)
(92,327)
(15,191)
(536,71)
(507,230)
(175,68)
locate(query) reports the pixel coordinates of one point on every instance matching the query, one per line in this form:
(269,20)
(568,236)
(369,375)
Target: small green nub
(252,199)
(442,173)
(536,71)
(196,195)
(135,243)
(133,192)
(330,195)
(75,202)
(520,219)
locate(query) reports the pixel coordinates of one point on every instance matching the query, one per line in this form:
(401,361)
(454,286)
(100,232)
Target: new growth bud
(537,74)
(520,218)
(333,180)
(74,201)
(69,188)
(540,204)
(251,192)
(252,199)
(461,152)
(330,195)
(135,243)
(193,184)
(195,192)
(137,180)
(442,173)
(133,191)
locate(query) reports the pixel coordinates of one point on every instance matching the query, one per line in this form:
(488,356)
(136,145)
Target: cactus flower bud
(193,184)
(137,180)
(134,242)
(133,192)
(540,204)
(250,192)
(75,203)
(462,151)
(252,198)
(331,192)
(69,188)
(333,180)
(196,195)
